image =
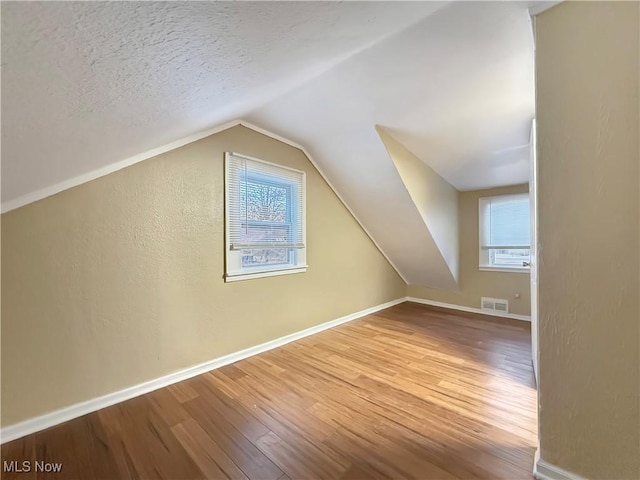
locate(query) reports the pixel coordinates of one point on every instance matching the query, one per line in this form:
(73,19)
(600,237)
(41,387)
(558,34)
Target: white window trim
(483,266)
(268,271)
(491,268)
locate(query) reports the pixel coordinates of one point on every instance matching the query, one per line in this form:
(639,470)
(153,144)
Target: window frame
(233,268)
(484,254)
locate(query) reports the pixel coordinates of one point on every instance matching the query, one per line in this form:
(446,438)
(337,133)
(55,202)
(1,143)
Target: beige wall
(435,199)
(588,154)
(119,280)
(474,283)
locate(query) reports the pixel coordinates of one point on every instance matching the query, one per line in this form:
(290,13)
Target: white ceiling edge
(450,282)
(542,7)
(433,197)
(45,192)
(127,162)
(105,82)
(324,177)
(536,10)
(433,90)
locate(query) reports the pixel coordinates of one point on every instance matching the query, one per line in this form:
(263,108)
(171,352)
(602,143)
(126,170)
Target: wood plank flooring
(410,392)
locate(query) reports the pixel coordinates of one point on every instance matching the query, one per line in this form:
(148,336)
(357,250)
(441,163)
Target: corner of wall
(434,198)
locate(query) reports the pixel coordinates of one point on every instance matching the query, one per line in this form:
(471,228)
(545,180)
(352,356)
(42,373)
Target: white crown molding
(546,471)
(514,316)
(56,417)
(127,162)
(324,177)
(106,170)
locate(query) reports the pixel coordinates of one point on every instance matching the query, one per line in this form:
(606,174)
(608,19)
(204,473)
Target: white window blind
(265,216)
(505,222)
(504,233)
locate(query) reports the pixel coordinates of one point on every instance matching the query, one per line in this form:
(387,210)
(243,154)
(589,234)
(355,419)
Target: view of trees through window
(266,206)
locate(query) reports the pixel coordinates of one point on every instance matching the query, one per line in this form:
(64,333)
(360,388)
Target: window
(504,232)
(265,218)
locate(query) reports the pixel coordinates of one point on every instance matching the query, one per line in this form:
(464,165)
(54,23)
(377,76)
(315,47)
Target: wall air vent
(495,304)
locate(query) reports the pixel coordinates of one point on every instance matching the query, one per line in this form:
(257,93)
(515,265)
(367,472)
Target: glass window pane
(509,257)
(509,222)
(264,202)
(267,256)
(259,233)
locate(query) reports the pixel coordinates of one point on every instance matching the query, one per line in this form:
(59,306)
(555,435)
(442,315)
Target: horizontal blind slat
(243,246)
(265,190)
(506,222)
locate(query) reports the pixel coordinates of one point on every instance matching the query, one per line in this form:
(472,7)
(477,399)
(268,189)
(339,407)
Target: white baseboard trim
(18,430)
(424,301)
(545,471)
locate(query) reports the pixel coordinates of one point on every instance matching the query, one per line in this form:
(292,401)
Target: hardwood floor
(410,392)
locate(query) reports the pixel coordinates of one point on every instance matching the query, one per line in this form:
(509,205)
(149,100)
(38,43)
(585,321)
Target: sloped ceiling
(88,84)
(437,204)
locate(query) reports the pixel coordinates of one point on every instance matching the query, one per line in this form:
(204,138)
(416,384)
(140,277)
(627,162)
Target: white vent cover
(495,304)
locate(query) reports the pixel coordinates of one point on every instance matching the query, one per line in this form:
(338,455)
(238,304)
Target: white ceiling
(88,84)
(456,89)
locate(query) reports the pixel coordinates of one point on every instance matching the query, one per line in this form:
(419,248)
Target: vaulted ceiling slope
(88,84)
(85,84)
(455,90)
(436,202)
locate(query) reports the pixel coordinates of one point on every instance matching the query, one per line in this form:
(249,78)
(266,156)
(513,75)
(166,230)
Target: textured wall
(588,154)
(119,280)
(472,282)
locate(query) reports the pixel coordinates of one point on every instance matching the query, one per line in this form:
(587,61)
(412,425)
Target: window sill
(488,268)
(267,273)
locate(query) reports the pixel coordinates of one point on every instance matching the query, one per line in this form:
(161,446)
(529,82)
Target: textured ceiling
(86,84)
(456,89)
(89,84)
